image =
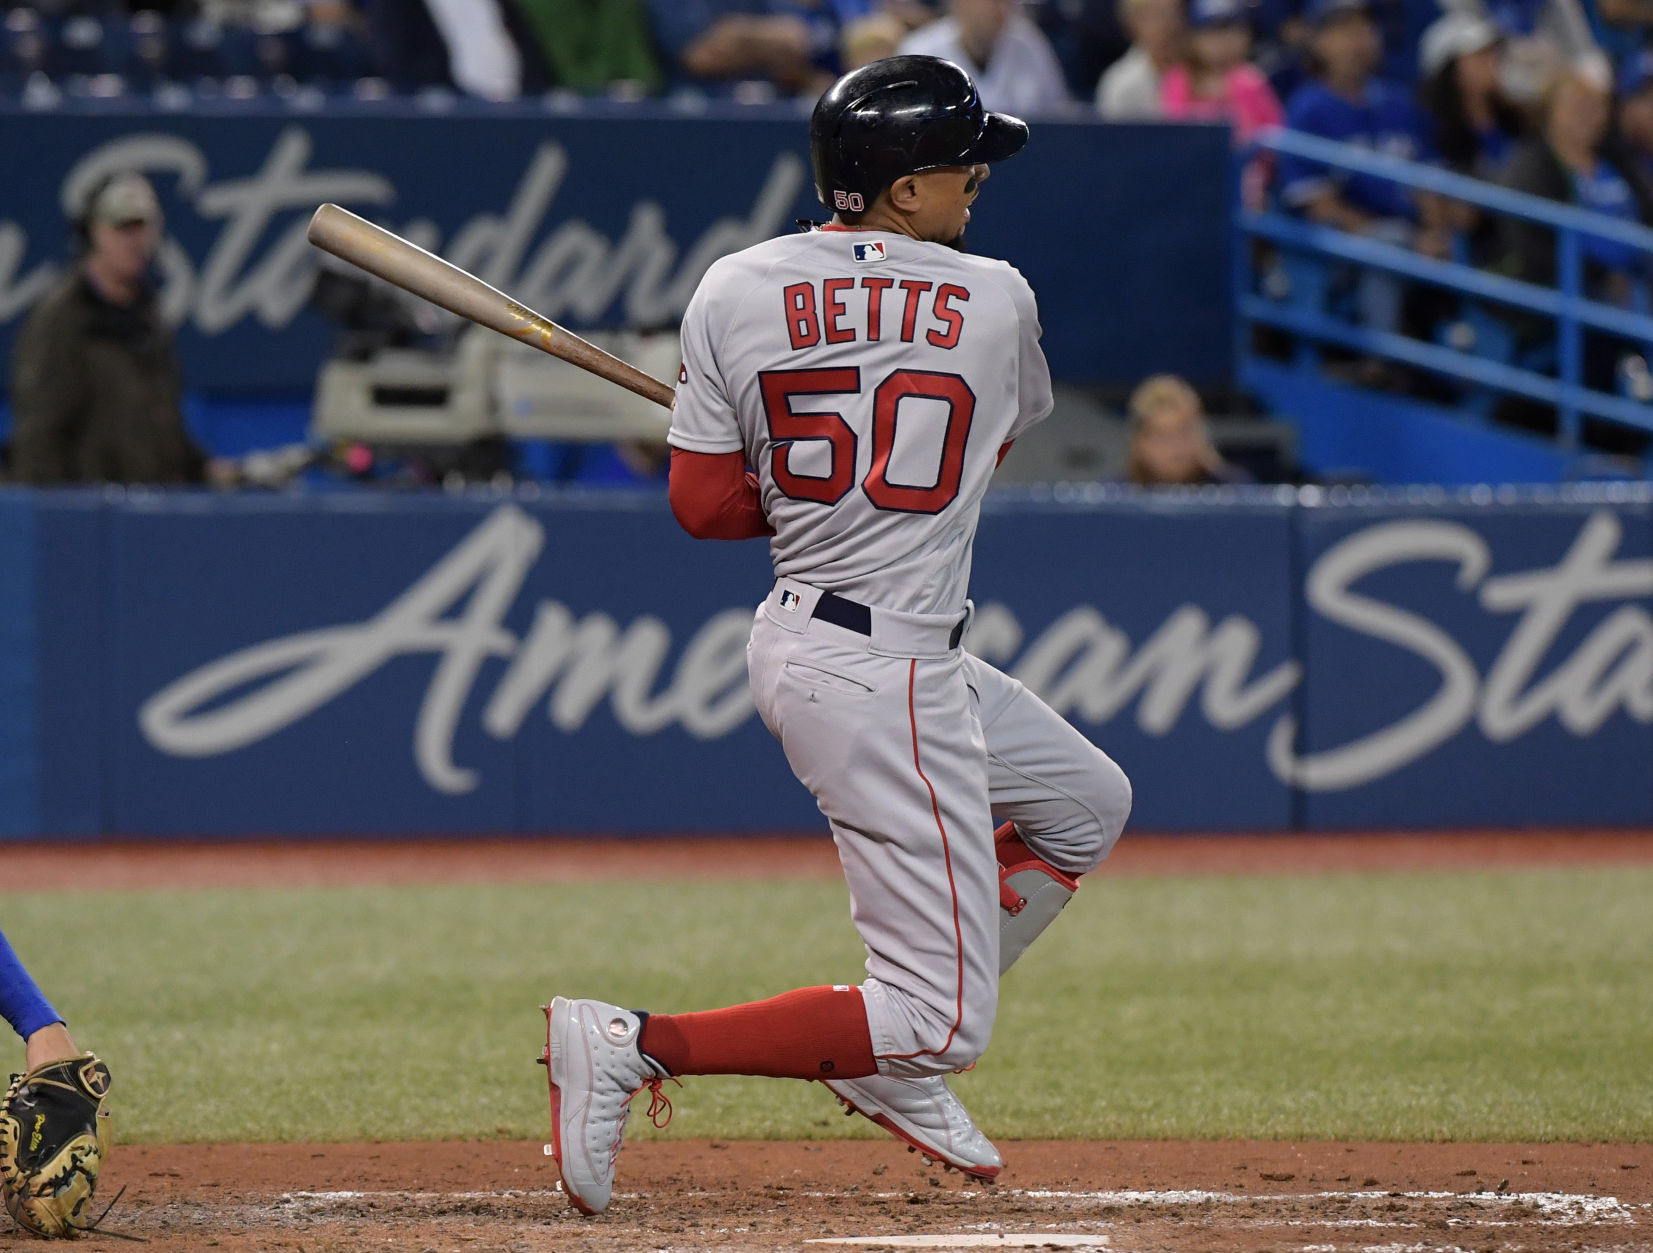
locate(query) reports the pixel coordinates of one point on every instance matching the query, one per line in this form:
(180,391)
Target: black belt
(852,615)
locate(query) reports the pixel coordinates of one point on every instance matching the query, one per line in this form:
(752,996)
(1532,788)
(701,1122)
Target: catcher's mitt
(52,1143)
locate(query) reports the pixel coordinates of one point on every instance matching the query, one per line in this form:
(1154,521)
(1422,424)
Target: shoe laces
(660,1105)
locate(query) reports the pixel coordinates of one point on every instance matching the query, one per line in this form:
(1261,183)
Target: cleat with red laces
(926,1116)
(596,1068)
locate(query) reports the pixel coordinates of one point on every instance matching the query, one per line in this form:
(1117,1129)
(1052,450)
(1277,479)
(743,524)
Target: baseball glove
(53,1140)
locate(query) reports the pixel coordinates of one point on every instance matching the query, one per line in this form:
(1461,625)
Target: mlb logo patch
(790,600)
(870,251)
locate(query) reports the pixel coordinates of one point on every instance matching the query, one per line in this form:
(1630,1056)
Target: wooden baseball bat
(410,267)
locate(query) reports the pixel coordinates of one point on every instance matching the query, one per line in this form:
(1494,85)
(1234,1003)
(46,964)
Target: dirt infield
(1234,1197)
(127,866)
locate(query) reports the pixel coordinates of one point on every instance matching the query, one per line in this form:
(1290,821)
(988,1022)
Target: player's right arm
(713,494)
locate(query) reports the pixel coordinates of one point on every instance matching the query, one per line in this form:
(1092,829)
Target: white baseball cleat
(926,1115)
(596,1067)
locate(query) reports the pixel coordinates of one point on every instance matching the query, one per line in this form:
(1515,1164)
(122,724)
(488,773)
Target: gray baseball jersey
(870,380)
(872,374)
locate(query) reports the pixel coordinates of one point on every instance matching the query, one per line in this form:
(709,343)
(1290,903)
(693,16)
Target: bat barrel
(406,265)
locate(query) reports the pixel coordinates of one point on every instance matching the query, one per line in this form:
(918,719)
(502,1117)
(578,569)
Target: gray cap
(125,199)
(1451,36)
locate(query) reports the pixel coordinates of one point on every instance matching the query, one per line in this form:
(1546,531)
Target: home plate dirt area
(1144,1195)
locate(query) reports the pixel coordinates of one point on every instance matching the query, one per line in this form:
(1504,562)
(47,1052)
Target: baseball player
(52,1116)
(849,392)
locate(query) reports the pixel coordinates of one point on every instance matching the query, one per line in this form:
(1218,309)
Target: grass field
(1467,1006)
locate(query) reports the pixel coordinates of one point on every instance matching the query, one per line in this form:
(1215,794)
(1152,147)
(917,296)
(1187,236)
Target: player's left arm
(25,1007)
(21,1002)
(714,496)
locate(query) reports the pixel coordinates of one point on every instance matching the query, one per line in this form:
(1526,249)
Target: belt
(852,615)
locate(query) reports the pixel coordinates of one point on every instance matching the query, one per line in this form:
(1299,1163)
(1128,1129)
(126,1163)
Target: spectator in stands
(1347,104)
(1622,27)
(1170,442)
(94,381)
(794,46)
(1564,162)
(870,38)
(1131,89)
(1631,148)
(1217,82)
(1009,57)
(594,45)
(1543,39)
(468,43)
(1461,56)
(1282,36)
(1087,36)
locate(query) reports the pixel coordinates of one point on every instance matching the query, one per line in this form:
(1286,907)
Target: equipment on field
(1031,893)
(53,1139)
(900,116)
(482,389)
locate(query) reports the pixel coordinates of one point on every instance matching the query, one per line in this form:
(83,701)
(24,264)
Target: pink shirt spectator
(1247,101)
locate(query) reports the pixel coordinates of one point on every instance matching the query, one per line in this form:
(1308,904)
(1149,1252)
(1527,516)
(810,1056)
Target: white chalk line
(506,1194)
(1002,1240)
(1559,1208)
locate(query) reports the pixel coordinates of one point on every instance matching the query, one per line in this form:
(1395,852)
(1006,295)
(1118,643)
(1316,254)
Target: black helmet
(896,117)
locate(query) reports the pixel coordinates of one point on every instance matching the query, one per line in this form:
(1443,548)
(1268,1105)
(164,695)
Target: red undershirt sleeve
(1003,450)
(714,496)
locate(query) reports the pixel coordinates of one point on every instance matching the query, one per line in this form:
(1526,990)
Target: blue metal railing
(1565,304)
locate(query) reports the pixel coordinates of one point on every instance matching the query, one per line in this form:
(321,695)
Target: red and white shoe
(596,1067)
(925,1115)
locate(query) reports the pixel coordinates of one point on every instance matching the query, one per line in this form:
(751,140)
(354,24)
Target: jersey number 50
(787,428)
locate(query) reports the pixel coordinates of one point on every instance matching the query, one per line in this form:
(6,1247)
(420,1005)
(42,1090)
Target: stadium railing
(1479,350)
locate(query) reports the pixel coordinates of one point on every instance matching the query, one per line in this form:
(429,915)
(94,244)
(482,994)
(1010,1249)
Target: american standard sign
(1571,647)
(597,216)
(257,264)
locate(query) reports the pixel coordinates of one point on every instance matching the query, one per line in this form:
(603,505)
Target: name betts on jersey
(872,406)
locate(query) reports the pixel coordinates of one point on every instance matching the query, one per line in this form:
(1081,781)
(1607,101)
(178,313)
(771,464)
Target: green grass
(1444,1006)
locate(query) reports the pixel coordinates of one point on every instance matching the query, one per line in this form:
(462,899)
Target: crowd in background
(1132,59)
(1555,96)
(1488,87)
(1550,97)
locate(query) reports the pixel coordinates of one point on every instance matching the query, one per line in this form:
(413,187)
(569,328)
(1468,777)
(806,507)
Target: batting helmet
(896,117)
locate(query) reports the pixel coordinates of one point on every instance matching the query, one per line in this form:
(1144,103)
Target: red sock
(812,1033)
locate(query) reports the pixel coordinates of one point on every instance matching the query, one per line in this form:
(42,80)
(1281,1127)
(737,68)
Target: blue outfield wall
(603,216)
(184,664)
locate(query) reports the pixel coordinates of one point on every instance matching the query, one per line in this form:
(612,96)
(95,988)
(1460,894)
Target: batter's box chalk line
(1004,1240)
(1559,1208)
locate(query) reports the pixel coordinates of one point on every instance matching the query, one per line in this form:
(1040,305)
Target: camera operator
(96,392)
